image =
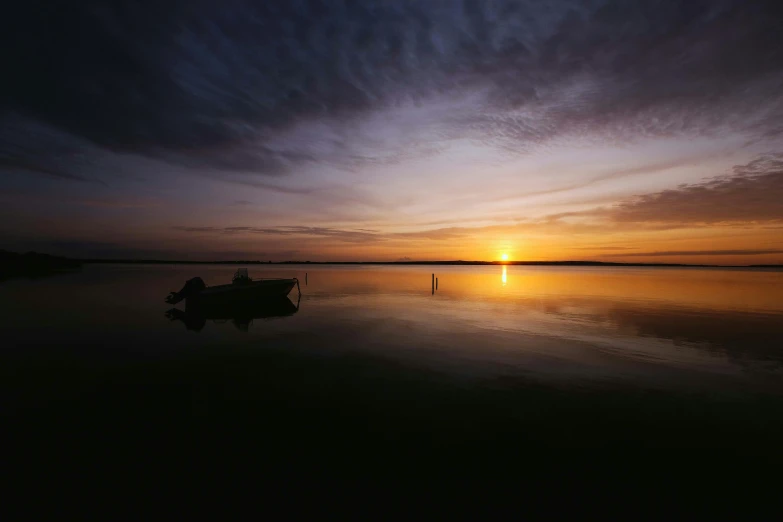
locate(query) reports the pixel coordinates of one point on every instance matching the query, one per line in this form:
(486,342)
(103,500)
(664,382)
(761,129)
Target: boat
(241,314)
(242,289)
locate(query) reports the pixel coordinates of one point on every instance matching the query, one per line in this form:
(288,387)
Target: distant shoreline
(414,263)
(33,262)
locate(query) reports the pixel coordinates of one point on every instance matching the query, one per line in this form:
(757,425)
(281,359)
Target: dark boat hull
(196,314)
(242,293)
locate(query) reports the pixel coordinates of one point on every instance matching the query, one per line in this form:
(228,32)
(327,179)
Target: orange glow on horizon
(716,245)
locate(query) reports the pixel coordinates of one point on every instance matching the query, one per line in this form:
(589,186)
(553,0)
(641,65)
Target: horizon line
(439,262)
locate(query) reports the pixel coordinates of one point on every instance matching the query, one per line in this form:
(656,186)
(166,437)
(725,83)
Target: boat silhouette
(240,313)
(241,289)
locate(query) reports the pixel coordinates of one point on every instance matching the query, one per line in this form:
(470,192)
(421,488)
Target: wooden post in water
(433,284)
(305,278)
(436,283)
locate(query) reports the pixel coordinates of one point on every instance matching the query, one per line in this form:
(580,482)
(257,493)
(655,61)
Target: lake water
(386,374)
(655,327)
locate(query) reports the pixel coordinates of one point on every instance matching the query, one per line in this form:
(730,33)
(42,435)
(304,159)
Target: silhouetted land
(407,263)
(33,264)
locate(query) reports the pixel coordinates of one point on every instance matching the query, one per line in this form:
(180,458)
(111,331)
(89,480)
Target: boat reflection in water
(241,314)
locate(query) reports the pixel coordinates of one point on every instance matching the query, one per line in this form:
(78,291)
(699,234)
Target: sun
(504,257)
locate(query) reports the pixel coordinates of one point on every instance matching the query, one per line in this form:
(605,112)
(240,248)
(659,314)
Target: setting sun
(504,257)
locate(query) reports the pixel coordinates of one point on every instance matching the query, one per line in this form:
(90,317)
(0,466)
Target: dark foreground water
(656,388)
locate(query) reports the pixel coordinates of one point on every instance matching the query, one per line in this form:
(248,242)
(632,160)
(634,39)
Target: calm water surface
(721,329)
(371,378)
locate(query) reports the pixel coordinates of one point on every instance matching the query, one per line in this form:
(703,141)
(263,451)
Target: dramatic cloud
(43,150)
(357,236)
(594,248)
(268,87)
(753,194)
(385,129)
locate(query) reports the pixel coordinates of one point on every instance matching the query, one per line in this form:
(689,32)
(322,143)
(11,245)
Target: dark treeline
(32,263)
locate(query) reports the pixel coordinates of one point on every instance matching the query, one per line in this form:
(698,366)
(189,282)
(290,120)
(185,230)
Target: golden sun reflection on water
(504,277)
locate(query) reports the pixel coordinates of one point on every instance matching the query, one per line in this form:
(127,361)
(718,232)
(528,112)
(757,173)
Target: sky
(604,130)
